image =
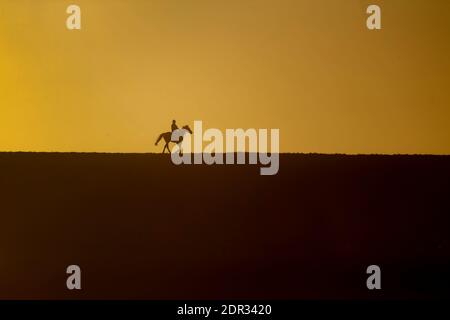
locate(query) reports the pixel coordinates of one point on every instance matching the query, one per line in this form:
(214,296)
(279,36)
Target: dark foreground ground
(140,227)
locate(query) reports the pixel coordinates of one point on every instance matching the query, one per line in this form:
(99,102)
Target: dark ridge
(143,228)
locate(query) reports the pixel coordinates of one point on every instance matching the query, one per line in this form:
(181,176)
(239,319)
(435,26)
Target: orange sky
(308,67)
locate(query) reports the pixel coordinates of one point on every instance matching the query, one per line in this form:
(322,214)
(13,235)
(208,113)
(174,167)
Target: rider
(174,125)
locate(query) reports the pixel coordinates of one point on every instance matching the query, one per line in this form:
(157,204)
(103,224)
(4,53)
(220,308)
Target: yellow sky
(310,68)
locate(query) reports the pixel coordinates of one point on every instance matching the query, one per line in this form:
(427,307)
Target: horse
(167,136)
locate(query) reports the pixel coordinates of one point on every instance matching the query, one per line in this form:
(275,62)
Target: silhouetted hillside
(141,227)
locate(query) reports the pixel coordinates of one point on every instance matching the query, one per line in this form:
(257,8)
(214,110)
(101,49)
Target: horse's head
(188,129)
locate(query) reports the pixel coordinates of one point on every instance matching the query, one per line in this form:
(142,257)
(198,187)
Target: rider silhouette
(174,125)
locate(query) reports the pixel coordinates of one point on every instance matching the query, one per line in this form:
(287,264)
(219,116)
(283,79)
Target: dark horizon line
(246,152)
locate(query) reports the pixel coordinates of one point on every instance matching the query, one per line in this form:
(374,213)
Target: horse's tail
(159,138)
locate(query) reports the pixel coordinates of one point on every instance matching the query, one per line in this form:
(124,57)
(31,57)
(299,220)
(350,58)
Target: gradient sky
(310,68)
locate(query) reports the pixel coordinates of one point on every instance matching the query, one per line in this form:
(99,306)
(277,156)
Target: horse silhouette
(167,136)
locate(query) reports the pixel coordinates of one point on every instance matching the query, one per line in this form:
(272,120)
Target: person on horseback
(175,136)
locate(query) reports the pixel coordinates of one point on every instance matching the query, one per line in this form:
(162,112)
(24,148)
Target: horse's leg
(167,140)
